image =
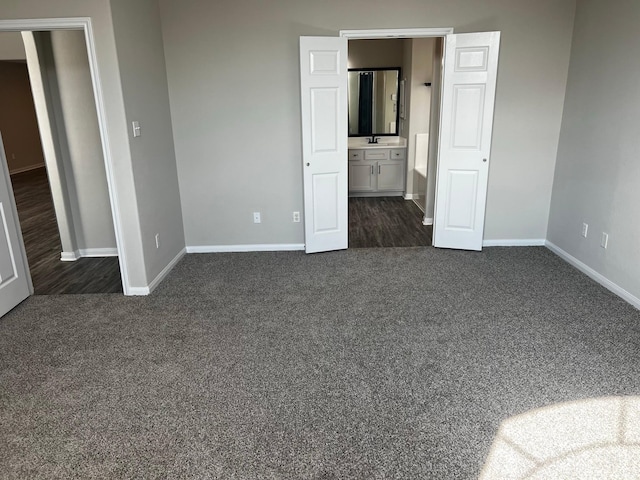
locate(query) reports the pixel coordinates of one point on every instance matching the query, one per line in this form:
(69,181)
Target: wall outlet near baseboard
(585,229)
(256,217)
(604,241)
(296,217)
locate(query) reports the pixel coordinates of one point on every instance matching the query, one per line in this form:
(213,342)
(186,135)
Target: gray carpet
(372,363)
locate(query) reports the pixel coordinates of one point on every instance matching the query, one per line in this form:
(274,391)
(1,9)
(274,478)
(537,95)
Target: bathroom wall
(405,123)
(420,104)
(375,53)
(434,130)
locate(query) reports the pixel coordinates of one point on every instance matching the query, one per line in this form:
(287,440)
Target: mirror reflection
(373,101)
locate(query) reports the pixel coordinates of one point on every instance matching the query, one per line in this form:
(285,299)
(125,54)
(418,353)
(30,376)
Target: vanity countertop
(360,143)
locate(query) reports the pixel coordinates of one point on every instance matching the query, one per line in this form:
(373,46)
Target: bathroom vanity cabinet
(377,172)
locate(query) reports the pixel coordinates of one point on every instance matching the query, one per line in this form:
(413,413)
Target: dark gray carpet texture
(362,364)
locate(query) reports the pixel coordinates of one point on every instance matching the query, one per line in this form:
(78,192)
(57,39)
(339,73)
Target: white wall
(234,89)
(597,174)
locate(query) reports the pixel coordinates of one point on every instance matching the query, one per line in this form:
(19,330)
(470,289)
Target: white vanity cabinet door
(390,175)
(362,176)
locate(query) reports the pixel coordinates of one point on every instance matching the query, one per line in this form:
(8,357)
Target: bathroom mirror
(373,101)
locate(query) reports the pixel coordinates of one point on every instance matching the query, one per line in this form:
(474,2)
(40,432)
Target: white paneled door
(466,123)
(15,282)
(323,80)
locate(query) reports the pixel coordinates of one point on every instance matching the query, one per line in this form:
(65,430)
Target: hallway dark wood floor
(386,222)
(42,242)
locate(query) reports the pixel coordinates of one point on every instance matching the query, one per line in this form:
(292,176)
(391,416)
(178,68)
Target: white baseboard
(427,221)
(98,252)
(26,169)
(141,291)
(411,196)
(69,256)
(266,247)
(137,291)
(88,253)
(598,277)
(515,242)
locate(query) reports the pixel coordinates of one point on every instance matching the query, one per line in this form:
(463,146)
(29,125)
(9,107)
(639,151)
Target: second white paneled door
(466,124)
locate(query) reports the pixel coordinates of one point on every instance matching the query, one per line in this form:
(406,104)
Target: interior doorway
(388,180)
(61,191)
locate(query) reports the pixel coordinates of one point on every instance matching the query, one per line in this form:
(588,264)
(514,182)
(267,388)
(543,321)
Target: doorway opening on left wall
(391,101)
(59,182)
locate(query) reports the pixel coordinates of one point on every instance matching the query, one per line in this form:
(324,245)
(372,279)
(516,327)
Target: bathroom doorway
(460,148)
(392,210)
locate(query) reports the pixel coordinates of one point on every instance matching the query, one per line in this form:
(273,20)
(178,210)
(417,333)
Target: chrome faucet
(373,139)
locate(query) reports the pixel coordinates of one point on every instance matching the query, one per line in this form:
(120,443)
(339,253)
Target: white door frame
(84,24)
(396,33)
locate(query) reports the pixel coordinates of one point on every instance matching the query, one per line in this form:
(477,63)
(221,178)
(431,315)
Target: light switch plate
(136,128)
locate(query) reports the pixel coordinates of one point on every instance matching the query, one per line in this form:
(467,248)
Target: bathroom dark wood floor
(42,242)
(386,222)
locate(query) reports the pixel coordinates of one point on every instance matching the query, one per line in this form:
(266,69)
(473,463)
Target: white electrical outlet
(256,217)
(585,229)
(604,242)
(296,217)
(135,125)
(157,240)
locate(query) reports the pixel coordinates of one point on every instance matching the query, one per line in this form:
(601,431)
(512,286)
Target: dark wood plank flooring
(42,242)
(386,222)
